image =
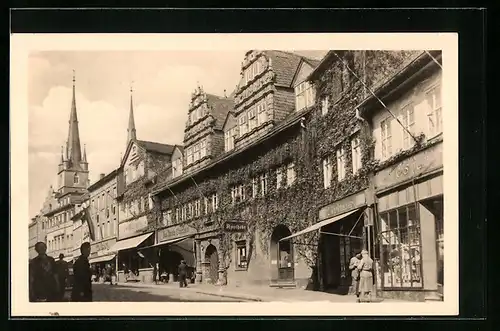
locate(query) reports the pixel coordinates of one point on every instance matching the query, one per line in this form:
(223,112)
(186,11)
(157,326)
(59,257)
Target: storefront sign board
(342,206)
(235,226)
(174,232)
(131,228)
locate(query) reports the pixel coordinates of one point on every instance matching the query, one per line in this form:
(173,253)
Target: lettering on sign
(427,160)
(175,232)
(342,206)
(235,226)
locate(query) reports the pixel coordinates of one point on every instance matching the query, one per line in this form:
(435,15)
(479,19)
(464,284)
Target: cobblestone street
(117,293)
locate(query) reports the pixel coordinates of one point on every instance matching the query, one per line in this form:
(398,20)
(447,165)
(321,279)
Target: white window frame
(341,173)
(408,120)
(262,113)
(215,202)
(203,148)
(386,138)
(327,172)
(241,247)
(279,177)
(196,152)
(227,140)
(252,119)
(189,155)
(356,154)
(263,184)
(243,124)
(255,187)
(435,110)
(324,105)
(290,174)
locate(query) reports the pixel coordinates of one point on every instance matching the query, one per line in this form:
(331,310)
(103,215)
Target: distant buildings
(282,182)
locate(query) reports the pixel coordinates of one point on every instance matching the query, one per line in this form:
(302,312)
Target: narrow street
(117,293)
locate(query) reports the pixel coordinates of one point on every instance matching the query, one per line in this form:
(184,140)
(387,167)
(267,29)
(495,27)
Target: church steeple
(131,134)
(73,149)
(84,153)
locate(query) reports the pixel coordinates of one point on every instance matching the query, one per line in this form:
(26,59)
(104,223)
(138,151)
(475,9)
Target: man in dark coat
(43,280)
(62,274)
(82,287)
(182,274)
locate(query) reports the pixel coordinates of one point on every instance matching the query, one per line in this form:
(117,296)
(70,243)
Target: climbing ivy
(297,206)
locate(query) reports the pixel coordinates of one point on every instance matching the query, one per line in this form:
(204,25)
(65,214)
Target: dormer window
(304,95)
(229,136)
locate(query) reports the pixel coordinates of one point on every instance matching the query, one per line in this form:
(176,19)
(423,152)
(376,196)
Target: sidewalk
(255,293)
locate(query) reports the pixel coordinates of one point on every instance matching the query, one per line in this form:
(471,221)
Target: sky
(162,83)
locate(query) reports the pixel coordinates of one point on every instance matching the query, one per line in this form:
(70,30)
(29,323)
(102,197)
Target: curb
(195,290)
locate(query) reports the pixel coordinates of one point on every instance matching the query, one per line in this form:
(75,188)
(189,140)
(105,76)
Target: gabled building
(203,135)
(144,163)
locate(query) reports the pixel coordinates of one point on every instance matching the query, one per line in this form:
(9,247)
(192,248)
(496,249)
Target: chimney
(101,176)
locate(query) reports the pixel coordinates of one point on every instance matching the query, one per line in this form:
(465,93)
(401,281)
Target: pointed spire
(131,123)
(62,154)
(73,148)
(85,152)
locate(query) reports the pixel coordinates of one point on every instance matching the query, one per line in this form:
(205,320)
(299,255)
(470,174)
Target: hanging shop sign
(423,162)
(342,206)
(235,226)
(174,232)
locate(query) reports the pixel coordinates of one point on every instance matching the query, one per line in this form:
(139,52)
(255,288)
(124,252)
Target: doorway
(212,262)
(169,262)
(281,254)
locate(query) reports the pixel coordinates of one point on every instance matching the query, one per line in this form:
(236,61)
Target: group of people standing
(182,270)
(361,266)
(47,278)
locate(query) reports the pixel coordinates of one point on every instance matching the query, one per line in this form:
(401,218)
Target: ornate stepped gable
(203,135)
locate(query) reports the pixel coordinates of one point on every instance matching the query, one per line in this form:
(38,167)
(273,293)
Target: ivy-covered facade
(315,165)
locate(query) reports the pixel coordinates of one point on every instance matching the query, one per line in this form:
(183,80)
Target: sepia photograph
(236,171)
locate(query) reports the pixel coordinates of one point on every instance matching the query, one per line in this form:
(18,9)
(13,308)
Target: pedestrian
(62,271)
(43,280)
(155,273)
(82,288)
(365,268)
(182,274)
(353,266)
(109,274)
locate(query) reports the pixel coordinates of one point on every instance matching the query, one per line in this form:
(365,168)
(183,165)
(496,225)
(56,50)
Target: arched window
(76,180)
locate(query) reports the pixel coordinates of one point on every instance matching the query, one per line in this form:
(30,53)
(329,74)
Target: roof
(312,62)
(151,146)
(284,65)
(401,79)
(180,147)
(289,122)
(220,107)
(102,180)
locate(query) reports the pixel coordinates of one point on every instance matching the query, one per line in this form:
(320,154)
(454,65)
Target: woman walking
(365,268)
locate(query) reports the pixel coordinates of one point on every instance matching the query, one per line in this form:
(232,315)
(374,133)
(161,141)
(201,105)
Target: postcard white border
(23,44)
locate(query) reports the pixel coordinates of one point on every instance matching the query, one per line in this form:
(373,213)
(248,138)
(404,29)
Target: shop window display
(400,260)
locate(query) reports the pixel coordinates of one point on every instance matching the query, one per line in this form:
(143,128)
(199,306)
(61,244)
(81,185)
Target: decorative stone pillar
(428,254)
(222,268)
(199,272)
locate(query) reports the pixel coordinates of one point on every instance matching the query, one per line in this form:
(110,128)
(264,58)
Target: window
(262,114)
(184,213)
(243,125)
(386,135)
(237,193)
(167,217)
(108,229)
(252,119)
(279,177)
(252,71)
(290,174)
(228,140)
(340,164)
(196,152)
(263,184)
(189,154)
(255,187)
(178,216)
(327,172)
(203,149)
(190,213)
(408,119)
(324,106)
(197,208)
(139,205)
(304,95)
(241,254)
(433,98)
(400,248)
(356,155)
(215,203)
(76,180)
(114,210)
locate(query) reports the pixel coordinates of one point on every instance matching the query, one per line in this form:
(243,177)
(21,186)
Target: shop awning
(169,242)
(102,258)
(319,225)
(130,242)
(68,258)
